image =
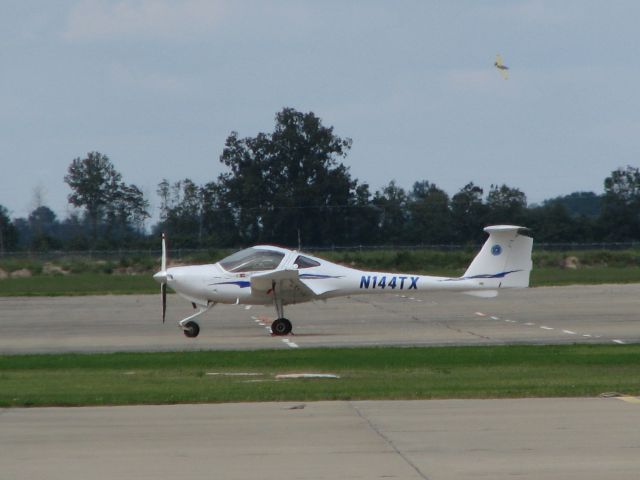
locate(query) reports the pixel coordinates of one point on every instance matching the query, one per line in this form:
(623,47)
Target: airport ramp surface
(536,439)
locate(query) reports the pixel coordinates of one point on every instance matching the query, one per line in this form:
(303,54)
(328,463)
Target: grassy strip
(366,373)
(103,284)
(78,284)
(550,276)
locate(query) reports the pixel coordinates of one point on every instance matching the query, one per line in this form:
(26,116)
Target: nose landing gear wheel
(281,327)
(191,329)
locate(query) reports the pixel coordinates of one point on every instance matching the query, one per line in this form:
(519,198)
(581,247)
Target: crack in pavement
(442,324)
(388,441)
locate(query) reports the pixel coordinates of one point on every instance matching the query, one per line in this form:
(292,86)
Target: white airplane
(268,275)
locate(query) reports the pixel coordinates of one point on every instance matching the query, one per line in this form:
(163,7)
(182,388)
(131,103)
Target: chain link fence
(183,253)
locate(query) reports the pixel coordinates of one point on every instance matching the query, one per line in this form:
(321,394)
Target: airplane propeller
(163,293)
(161,278)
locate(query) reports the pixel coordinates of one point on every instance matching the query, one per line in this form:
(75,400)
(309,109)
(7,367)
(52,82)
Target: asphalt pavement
(549,315)
(537,439)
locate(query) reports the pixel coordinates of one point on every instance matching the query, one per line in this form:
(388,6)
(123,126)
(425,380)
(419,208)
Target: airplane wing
(291,282)
(502,67)
(263,282)
(288,280)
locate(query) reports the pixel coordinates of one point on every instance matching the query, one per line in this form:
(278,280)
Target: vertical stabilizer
(504,260)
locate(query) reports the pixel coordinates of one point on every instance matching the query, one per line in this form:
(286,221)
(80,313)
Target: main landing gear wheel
(191,329)
(281,326)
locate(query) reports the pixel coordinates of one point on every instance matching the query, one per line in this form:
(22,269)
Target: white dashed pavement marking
(544,327)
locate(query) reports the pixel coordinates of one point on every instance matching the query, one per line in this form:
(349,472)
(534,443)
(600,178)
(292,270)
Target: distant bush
(11,265)
(589,258)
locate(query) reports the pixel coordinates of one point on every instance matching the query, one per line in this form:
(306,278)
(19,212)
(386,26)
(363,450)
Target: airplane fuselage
(204,284)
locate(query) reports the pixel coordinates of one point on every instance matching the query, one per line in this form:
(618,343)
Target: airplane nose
(161,277)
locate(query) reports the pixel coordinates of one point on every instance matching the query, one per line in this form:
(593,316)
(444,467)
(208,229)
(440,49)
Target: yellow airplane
(499,64)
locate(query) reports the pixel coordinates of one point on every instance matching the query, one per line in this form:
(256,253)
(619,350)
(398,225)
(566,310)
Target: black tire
(281,327)
(191,330)
(289,326)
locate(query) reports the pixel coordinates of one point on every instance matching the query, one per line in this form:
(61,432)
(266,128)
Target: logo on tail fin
(496,250)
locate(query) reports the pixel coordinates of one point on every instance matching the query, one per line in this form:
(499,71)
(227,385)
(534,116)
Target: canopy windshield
(252,260)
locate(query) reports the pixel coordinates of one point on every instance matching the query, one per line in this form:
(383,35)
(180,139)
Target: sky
(159,85)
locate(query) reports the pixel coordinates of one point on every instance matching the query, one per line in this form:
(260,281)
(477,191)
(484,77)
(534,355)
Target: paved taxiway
(438,439)
(603,314)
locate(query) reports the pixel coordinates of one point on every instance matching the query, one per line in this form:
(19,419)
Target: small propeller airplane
(268,275)
(499,64)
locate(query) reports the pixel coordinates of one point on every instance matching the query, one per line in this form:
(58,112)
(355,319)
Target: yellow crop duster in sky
(499,64)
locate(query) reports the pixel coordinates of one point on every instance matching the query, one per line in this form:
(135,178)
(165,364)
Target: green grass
(552,276)
(366,373)
(78,284)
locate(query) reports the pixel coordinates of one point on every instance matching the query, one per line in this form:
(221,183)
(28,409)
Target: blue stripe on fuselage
(476,277)
(240,283)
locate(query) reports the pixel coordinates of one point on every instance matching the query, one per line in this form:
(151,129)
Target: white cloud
(101,19)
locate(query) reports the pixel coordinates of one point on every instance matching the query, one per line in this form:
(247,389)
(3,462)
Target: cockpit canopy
(252,260)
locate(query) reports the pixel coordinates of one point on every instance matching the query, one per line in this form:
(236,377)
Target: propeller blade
(163,266)
(163,293)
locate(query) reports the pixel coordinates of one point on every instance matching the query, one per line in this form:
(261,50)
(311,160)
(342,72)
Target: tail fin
(504,260)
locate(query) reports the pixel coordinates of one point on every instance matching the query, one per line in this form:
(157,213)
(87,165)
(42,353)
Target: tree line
(291,187)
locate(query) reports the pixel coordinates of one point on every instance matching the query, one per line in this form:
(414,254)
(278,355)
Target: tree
(181,211)
(43,226)
(218,223)
(164,192)
(579,204)
(74,232)
(289,184)
(93,180)
(43,221)
(392,201)
(468,214)
(430,215)
(620,217)
(551,222)
(506,205)
(126,211)
(8,233)
(363,218)
(98,188)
